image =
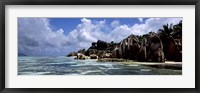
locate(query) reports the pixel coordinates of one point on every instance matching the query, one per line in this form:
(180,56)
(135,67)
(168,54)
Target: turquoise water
(69,66)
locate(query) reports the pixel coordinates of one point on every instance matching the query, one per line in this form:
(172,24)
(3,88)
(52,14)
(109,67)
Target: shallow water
(69,66)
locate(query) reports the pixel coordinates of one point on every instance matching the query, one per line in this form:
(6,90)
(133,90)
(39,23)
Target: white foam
(145,69)
(133,65)
(63,63)
(86,72)
(94,64)
(72,74)
(108,68)
(34,73)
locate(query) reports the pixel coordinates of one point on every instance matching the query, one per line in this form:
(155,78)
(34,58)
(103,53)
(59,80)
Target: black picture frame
(3,3)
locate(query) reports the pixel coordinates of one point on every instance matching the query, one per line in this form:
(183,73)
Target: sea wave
(70,66)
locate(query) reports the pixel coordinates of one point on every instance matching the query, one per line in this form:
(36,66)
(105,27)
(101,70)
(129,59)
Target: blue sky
(59,36)
(69,24)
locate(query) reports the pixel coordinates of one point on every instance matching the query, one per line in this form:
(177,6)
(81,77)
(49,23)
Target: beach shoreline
(166,64)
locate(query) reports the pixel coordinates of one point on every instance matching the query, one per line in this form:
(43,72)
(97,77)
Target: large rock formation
(142,54)
(178,44)
(133,46)
(155,49)
(145,49)
(128,48)
(174,50)
(115,52)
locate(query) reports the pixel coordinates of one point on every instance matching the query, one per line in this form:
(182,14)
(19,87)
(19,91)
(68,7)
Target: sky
(59,36)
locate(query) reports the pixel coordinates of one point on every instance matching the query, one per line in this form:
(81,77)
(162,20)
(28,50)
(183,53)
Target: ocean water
(69,66)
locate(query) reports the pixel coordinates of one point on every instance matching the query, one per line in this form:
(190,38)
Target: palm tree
(168,36)
(165,35)
(177,31)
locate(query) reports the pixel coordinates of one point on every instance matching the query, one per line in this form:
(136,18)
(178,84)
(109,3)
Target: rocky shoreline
(152,49)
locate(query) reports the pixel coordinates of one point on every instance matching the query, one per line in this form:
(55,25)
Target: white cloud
(140,20)
(153,24)
(115,23)
(37,38)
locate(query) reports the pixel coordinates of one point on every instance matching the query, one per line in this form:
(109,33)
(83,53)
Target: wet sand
(166,65)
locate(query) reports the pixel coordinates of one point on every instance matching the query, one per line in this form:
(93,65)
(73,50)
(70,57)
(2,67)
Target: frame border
(3,3)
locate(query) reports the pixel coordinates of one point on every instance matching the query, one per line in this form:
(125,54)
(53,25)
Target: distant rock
(80,56)
(21,54)
(93,56)
(107,55)
(72,54)
(100,48)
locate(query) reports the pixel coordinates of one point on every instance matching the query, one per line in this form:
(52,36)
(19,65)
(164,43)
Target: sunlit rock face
(128,48)
(144,50)
(155,49)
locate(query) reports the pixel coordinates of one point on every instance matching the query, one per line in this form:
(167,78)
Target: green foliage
(81,51)
(171,32)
